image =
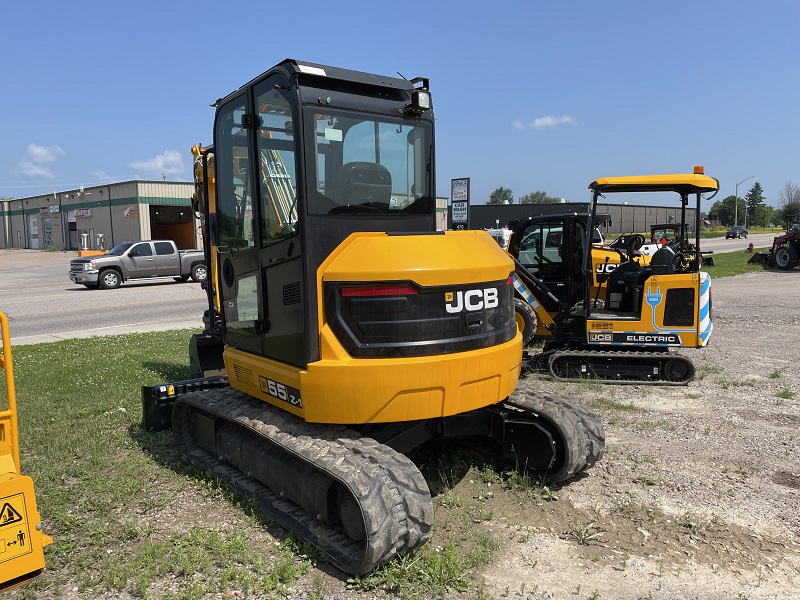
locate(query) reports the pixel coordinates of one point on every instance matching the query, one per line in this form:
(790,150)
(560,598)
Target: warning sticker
(9,516)
(14,533)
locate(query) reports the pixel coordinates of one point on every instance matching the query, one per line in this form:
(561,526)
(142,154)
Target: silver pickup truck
(138,260)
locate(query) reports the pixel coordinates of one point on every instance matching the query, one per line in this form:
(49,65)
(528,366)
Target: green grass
(101,481)
(129,516)
(728,264)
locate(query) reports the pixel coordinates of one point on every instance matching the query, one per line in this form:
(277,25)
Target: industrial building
(99,217)
(625,218)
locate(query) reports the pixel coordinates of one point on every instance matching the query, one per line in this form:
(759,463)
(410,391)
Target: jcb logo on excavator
(471,300)
(601,268)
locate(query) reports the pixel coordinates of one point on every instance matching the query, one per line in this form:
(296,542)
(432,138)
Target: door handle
(150,259)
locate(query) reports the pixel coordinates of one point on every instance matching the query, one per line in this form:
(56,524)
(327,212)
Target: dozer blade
(359,502)
(759,258)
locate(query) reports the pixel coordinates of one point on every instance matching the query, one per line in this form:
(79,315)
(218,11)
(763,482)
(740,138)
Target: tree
(501,196)
(538,198)
(756,214)
(725,210)
(789,202)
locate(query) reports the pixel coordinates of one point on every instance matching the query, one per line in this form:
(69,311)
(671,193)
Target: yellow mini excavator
(343,330)
(21,537)
(615,318)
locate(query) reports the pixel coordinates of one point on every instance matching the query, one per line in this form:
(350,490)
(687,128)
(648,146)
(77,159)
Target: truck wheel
(526,320)
(785,257)
(109,279)
(199,273)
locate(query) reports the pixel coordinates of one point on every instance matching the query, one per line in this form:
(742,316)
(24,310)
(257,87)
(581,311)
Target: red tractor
(786,249)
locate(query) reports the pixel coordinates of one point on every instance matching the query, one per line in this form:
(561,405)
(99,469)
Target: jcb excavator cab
(324,182)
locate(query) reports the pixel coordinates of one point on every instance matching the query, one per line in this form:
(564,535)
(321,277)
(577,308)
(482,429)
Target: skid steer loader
(21,537)
(343,330)
(619,328)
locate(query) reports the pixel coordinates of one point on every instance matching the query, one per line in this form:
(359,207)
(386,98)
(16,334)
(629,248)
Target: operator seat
(663,261)
(361,183)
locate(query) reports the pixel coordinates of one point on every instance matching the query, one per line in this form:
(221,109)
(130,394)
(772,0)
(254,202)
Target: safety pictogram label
(9,516)
(14,532)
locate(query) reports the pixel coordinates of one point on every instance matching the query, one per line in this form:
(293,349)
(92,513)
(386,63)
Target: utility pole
(736,200)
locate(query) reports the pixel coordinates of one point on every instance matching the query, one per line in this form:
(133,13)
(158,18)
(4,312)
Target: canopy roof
(682,183)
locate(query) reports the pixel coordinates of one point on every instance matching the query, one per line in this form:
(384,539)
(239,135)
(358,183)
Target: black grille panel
(408,320)
(291,294)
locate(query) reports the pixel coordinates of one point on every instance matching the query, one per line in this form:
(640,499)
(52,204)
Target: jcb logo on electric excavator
(471,300)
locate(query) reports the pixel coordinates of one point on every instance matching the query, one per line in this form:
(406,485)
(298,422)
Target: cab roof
(688,183)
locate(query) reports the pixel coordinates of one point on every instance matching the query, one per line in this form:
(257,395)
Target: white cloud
(30,169)
(44,154)
(551,121)
(168,163)
(546,122)
(37,156)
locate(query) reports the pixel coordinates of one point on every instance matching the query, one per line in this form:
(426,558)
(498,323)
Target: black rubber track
(624,357)
(579,434)
(393,496)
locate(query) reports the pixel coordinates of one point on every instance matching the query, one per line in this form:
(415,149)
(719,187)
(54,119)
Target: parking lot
(42,304)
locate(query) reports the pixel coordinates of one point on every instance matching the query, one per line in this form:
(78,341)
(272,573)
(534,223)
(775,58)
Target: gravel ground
(697,496)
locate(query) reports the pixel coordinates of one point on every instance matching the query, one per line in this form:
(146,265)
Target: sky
(530,95)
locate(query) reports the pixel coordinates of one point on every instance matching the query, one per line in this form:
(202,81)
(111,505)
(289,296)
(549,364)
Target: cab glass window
(541,248)
(276,161)
(364,165)
(235,211)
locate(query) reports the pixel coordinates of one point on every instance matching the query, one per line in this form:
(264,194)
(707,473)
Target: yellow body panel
(21,537)
(649,329)
(379,390)
(381,257)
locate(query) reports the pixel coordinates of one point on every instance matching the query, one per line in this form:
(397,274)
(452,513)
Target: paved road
(43,305)
(760,240)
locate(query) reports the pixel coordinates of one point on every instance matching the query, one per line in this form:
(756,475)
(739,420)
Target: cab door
(544,252)
(235,228)
(280,250)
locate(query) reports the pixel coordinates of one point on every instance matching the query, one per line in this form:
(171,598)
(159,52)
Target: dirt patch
(697,494)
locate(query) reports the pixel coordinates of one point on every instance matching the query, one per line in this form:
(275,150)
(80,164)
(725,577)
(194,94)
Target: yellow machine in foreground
(21,537)
(349,329)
